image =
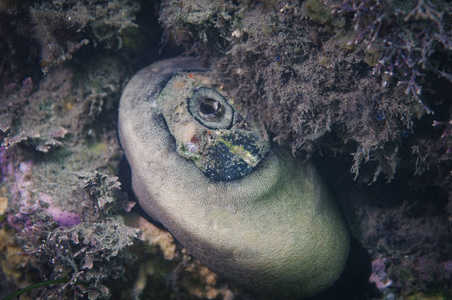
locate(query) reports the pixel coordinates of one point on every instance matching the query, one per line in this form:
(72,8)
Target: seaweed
(353,83)
(353,69)
(63,27)
(362,81)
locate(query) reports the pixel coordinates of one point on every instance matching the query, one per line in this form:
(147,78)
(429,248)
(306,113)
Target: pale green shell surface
(275,229)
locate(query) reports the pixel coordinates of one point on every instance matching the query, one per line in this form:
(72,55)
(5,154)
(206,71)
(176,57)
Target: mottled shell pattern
(208,129)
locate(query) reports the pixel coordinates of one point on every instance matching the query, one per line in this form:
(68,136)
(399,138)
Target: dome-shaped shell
(273,226)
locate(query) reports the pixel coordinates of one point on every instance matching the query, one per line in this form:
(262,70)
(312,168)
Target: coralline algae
(249,212)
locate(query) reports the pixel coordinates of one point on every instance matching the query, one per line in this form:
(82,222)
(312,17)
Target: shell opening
(211,109)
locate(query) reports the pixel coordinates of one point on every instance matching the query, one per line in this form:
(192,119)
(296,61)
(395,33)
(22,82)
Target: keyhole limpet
(247,210)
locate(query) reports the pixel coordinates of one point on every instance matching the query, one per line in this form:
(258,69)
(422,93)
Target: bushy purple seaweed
(407,34)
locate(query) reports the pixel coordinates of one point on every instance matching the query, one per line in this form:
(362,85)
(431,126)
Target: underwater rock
(247,210)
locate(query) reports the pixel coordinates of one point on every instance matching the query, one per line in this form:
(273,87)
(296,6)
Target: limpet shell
(247,210)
